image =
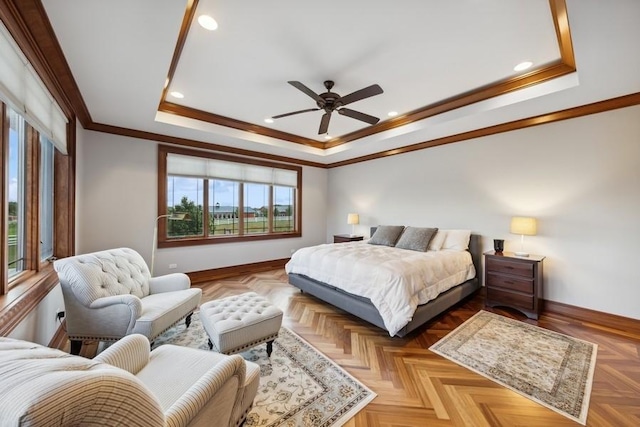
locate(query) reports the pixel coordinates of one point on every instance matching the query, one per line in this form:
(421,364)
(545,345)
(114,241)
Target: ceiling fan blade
(358,115)
(360,94)
(306,90)
(294,112)
(324,123)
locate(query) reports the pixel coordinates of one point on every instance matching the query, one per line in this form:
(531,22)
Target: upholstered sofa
(125,385)
(110,294)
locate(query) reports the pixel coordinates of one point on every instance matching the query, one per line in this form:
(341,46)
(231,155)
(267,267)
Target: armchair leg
(210,345)
(76,345)
(269,348)
(187,321)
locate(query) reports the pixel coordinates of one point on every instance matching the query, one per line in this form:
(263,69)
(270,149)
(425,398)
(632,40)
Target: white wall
(116,206)
(41,324)
(580,178)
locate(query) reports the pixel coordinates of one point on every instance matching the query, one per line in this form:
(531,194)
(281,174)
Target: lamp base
(522,254)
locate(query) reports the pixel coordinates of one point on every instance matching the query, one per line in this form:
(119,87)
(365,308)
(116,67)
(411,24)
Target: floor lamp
(170,217)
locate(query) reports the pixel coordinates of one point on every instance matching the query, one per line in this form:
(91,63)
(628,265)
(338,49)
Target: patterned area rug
(552,369)
(299,386)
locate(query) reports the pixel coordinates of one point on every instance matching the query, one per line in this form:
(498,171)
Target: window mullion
(272,207)
(32,201)
(205,208)
(4,232)
(241,209)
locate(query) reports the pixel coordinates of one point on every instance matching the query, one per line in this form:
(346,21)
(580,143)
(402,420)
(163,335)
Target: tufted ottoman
(239,322)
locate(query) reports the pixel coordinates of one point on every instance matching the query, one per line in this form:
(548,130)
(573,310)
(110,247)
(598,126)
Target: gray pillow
(416,239)
(386,235)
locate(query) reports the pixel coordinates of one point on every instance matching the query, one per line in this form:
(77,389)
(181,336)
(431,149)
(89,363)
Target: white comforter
(395,280)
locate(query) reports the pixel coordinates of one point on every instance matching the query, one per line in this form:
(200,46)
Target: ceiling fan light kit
(331,101)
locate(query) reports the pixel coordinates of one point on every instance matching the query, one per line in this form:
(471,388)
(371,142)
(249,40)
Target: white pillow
(436,242)
(456,239)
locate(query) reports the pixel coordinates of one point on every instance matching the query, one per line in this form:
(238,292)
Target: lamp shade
(353,218)
(523,225)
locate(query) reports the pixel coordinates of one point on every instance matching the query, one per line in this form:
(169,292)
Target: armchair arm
(130,300)
(169,283)
(131,353)
(188,406)
(113,316)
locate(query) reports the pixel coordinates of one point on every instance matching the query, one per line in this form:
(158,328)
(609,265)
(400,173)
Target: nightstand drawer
(510,298)
(524,269)
(513,283)
(346,238)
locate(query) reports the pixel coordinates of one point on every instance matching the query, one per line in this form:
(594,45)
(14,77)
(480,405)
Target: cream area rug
(299,386)
(552,369)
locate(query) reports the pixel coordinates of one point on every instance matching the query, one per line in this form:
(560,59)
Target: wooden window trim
(163,242)
(25,296)
(28,25)
(4,145)
(30,287)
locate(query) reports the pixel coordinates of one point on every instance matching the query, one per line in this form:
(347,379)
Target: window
(226,198)
(37,180)
(16,219)
(30,199)
(29,202)
(47,150)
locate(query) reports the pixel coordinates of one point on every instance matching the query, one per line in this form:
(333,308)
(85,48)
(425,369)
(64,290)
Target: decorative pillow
(386,235)
(436,242)
(416,239)
(457,240)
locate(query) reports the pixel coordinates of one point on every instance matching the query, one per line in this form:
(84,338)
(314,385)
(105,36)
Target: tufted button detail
(238,322)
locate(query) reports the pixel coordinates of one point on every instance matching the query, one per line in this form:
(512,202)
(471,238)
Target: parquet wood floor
(418,388)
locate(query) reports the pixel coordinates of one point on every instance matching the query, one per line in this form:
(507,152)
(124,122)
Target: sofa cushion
(161,375)
(155,317)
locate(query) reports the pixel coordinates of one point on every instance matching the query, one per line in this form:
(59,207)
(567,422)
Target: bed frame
(364,309)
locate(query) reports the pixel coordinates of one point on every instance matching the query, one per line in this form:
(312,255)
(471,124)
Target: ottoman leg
(210,344)
(269,348)
(187,321)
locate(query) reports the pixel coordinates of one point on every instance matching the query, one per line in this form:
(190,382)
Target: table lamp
(524,227)
(353,219)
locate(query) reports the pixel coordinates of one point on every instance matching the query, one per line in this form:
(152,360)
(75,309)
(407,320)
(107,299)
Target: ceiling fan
(331,101)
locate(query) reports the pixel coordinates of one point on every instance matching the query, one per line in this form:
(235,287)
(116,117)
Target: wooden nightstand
(513,281)
(343,238)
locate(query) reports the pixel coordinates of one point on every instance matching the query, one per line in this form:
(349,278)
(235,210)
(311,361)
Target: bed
(332,281)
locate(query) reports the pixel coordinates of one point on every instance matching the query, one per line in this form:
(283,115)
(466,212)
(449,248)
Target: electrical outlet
(173,266)
(59,314)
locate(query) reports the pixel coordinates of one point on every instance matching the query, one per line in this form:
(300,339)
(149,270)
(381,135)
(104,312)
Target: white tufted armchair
(110,294)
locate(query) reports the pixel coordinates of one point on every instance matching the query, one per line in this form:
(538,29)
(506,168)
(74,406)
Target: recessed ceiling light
(523,66)
(207,22)
(177,94)
(327,136)
(268,120)
(392,113)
